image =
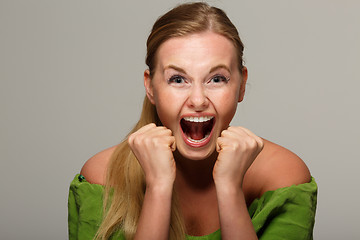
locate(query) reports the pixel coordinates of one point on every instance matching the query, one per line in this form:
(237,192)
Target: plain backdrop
(71,85)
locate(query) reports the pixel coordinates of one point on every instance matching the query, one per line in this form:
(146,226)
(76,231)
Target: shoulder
(94,170)
(277,167)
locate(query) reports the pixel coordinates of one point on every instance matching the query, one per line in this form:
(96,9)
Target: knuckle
(235,128)
(168,131)
(130,139)
(136,141)
(146,140)
(224,133)
(235,145)
(252,143)
(156,141)
(261,144)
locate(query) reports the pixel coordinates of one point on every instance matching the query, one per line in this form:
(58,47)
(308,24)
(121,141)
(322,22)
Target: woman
(183,171)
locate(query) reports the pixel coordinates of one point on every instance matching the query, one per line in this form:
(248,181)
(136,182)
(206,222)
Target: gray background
(71,85)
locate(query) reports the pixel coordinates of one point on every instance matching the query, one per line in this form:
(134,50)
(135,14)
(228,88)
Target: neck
(196,174)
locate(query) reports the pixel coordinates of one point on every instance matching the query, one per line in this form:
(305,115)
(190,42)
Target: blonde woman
(183,172)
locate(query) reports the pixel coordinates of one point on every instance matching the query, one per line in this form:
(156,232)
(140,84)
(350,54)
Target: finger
(220,142)
(227,137)
(165,131)
(142,130)
(173,144)
(235,132)
(163,136)
(147,131)
(258,139)
(146,128)
(159,132)
(170,140)
(246,131)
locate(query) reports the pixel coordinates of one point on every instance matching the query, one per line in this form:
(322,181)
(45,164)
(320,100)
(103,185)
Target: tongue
(196,131)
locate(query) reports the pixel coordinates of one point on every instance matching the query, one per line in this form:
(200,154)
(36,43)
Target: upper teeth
(198,119)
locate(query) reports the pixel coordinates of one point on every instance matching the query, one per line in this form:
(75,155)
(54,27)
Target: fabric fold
(286,213)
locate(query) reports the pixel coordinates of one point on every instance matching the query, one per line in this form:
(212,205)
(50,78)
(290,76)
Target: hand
(153,148)
(238,147)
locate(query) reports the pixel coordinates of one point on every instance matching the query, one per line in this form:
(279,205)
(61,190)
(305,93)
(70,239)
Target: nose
(198,99)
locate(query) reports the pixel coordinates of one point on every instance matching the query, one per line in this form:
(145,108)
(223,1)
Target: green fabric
(286,213)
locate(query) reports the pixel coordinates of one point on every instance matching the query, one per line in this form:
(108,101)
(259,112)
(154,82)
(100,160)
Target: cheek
(226,105)
(166,109)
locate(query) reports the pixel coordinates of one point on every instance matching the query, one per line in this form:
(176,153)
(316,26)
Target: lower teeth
(197,141)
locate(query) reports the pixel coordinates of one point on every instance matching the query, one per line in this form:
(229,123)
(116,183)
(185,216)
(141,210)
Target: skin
(215,182)
(193,57)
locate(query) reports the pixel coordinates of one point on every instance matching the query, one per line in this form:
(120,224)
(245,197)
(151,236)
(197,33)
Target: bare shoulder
(94,170)
(277,167)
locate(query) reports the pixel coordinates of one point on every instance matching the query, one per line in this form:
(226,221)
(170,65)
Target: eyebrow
(213,69)
(179,69)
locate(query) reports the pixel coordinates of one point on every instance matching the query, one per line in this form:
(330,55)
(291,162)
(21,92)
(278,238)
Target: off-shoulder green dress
(284,214)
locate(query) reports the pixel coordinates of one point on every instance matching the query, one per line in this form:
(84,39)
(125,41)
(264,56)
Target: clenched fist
(237,147)
(153,147)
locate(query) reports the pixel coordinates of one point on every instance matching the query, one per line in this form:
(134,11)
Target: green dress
(284,214)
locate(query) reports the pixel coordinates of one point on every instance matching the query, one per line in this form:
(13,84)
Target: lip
(206,140)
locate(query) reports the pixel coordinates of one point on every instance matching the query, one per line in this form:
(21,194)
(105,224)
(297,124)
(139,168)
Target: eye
(218,79)
(176,79)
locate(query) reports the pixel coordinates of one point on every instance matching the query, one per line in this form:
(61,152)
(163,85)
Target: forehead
(200,49)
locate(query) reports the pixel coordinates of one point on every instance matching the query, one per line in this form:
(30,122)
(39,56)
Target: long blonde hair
(125,183)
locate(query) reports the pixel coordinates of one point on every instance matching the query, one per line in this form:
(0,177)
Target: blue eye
(176,79)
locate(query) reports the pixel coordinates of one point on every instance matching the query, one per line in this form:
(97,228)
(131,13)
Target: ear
(148,86)
(244,77)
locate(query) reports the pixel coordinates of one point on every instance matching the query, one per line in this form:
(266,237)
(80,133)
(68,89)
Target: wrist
(160,187)
(228,187)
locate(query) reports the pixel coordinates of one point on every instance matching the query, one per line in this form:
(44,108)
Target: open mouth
(197,129)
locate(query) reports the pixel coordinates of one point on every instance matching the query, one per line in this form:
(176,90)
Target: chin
(196,154)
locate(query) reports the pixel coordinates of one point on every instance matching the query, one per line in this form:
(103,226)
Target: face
(195,87)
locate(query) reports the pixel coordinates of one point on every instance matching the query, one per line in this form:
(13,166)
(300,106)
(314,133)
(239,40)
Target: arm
(286,204)
(237,148)
(154,222)
(287,213)
(234,217)
(153,148)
